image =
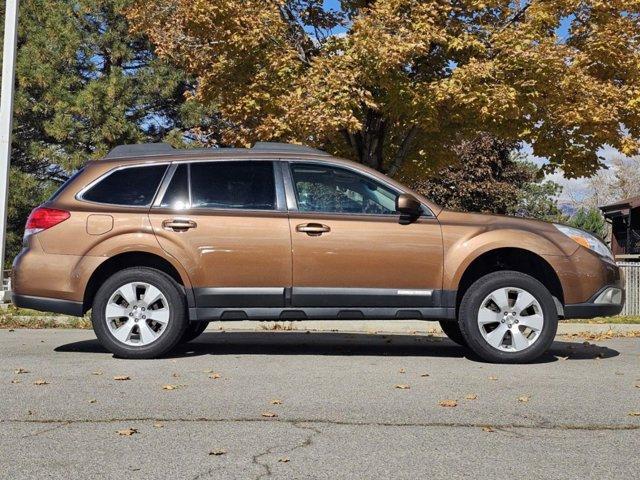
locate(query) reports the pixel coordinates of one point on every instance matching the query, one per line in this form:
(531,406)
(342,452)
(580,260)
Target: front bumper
(600,305)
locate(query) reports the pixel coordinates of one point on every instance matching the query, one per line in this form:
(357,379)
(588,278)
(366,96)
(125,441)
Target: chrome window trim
(293,202)
(80,195)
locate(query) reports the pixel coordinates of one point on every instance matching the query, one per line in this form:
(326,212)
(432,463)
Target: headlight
(586,240)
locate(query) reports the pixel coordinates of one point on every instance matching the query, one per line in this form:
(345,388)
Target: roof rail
(150,149)
(139,150)
(287,147)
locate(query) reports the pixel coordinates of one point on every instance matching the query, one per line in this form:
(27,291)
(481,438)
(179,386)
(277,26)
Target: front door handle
(313,229)
(179,224)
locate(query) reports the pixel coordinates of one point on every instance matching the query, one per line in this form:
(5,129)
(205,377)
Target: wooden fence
(631,273)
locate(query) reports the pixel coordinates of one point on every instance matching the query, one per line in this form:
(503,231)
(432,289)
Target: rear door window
(133,186)
(248,185)
(177,194)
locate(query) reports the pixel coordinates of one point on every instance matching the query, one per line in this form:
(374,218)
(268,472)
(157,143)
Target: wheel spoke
(151,295)
(128,292)
(486,316)
(524,301)
(534,322)
(518,340)
(116,311)
(123,332)
(146,334)
(501,299)
(496,336)
(161,315)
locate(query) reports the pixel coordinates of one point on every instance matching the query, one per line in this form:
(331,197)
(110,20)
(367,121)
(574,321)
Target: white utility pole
(6,116)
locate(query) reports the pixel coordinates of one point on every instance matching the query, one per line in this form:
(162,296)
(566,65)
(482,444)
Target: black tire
(174,330)
(470,307)
(451,328)
(193,331)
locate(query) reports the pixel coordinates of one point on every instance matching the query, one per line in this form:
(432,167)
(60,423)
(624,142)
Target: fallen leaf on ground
(634,414)
(127,432)
(488,429)
(175,375)
(563,358)
(493,378)
(276,402)
(97,372)
(158,425)
(269,414)
(471,396)
(122,378)
(170,387)
(424,375)
(283,460)
(402,370)
(638,385)
(29,412)
(523,398)
(18,371)
(208,370)
(41,382)
(449,403)
(217,452)
(93,400)
(15,380)
(214,376)
(403,386)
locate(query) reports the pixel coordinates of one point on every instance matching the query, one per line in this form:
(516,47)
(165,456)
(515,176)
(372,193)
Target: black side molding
(43,304)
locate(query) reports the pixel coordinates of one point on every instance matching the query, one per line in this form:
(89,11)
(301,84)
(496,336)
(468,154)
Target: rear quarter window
(129,186)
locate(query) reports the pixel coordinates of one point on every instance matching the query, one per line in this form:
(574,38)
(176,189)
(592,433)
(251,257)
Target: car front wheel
(508,317)
(139,313)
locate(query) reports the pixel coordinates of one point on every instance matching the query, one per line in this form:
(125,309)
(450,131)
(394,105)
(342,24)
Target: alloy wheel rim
(137,314)
(510,319)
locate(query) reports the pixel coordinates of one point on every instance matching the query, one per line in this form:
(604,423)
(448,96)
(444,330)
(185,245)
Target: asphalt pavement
(294,405)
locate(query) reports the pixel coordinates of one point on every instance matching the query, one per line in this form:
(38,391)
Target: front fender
(460,253)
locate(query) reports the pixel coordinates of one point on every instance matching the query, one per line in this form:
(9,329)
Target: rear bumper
(43,304)
(595,307)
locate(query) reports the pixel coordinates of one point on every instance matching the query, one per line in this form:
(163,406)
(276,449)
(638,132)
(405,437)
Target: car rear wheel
(451,328)
(193,331)
(508,317)
(139,313)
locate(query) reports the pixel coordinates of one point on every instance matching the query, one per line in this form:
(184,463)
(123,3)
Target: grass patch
(13,317)
(606,320)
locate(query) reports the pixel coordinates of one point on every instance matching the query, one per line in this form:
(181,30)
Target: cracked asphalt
(340,417)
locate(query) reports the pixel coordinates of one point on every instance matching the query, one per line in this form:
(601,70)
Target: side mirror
(409,208)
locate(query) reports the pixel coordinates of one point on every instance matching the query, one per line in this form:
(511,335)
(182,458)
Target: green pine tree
(84,83)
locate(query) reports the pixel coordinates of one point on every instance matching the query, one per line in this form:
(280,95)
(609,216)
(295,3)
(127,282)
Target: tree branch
(403,151)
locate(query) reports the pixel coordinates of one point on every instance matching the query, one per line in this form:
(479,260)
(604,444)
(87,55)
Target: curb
(350,326)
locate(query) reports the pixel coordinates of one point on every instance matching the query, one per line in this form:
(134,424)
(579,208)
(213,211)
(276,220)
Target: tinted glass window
(336,190)
(133,186)
(177,194)
(247,185)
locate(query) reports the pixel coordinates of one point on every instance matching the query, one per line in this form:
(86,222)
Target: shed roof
(626,204)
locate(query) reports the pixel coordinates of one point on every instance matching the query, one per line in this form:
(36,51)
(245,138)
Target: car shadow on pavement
(334,343)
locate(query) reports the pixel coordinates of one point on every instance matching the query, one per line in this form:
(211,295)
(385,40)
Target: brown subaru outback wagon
(157,242)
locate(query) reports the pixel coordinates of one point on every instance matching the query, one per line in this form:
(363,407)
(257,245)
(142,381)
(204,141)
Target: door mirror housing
(409,208)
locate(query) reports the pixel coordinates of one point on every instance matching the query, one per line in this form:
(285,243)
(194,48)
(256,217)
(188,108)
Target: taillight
(42,218)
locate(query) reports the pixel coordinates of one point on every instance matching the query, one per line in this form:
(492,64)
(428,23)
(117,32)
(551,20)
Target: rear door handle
(179,224)
(313,229)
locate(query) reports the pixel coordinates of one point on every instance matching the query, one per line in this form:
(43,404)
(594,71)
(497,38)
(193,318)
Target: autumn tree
(396,83)
(491,176)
